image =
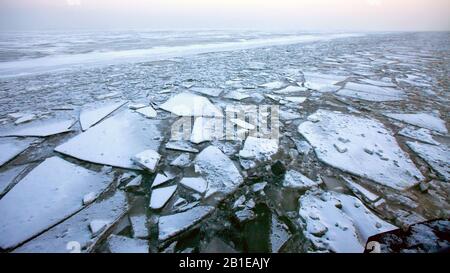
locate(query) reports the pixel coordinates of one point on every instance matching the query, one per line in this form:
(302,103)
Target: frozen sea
(363,146)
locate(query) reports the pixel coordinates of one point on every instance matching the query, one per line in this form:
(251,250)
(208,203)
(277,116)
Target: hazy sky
(324,15)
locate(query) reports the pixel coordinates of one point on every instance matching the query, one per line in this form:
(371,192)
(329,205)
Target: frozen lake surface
(89,162)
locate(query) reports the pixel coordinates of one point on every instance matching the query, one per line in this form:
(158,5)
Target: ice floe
(218,170)
(279,234)
(181,161)
(45,199)
(437,157)
(12,147)
(371,92)
(422,134)
(360,191)
(206,129)
(181,146)
(338,223)
(161,196)
(172,225)
(122,244)
(92,114)
(296,180)
(25,118)
(235,95)
(290,89)
(273,85)
(261,149)
(322,82)
(360,146)
(147,112)
(187,104)
(115,141)
(147,159)
(40,128)
(423,120)
(97,226)
(212,92)
(77,229)
(160,179)
(8,177)
(197,184)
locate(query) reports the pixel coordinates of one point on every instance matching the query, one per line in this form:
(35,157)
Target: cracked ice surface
(188,104)
(10,148)
(76,228)
(40,128)
(338,223)
(437,157)
(172,225)
(45,199)
(371,92)
(423,120)
(115,141)
(360,146)
(218,170)
(92,114)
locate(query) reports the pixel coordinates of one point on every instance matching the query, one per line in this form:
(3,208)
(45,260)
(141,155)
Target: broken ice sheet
(7,177)
(296,180)
(212,92)
(181,146)
(138,219)
(218,170)
(172,225)
(76,228)
(12,147)
(147,159)
(93,113)
(161,196)
(290,89)
(422,134)
(367,148)
(181,161)
(422,120)
(279,234)
(360,191)
(236,95)
(187,104)
(147,112)
(206,129)
(437,157)
(322,82)
(298,100)
(45,199)
(338,223)
(273,85)
(261,149)
(115,141)
(197,184)
(160,179)
(40,128)
(122,244)
(371,92)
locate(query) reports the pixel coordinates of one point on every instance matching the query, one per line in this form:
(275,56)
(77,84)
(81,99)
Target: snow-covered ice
(212,92)
(115,141)
(437,157)
(366,148)
(206,129)
(92,114)
(188,104)
(40,128)
(7,177)
(218,170)
(371,92)
(172,225)
(160,179)
(147,159)
(338,223)
(122,244)
(182,146)
(423,120)
(45,199)
(279,234)
(261,149)
(296,180)
(422,134)
(322,82)
(197,184)
(12,147)
(77,228)
(147,112)
(161,196)
(182,161)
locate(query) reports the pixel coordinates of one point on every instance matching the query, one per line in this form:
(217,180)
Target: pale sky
(302,15)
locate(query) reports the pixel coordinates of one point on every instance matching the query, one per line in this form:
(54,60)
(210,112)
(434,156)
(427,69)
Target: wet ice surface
(336,90)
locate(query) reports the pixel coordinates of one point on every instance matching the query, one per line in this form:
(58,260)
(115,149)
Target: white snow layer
(161,196)
(115,141)
(360,146)
(51,192)
(218,170)
(338,223)
(261,149)
(422,120)
(92,114)
(187,104)
(172,225)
